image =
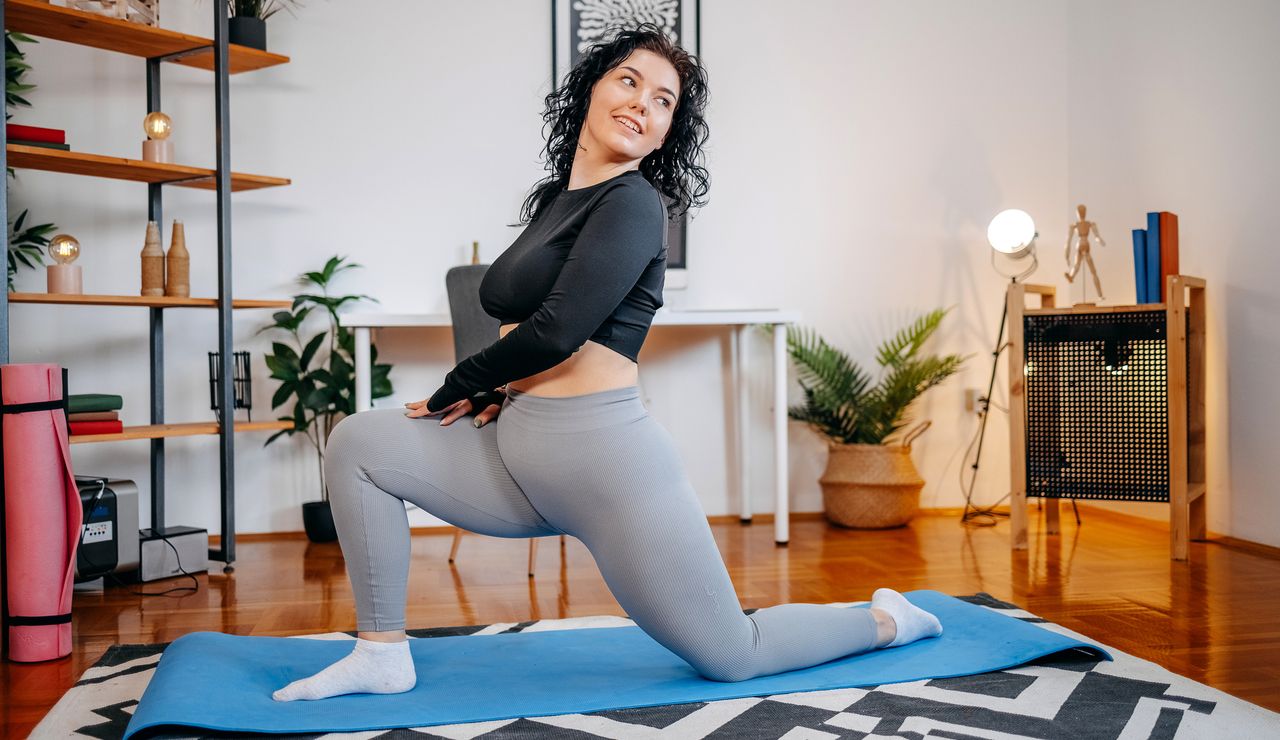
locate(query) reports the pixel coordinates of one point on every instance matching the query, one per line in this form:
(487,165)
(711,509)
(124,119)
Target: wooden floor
(1213,620)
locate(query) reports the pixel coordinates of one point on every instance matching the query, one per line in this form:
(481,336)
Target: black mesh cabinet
(1107,403)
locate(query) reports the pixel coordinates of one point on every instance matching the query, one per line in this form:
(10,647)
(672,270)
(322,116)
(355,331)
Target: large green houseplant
(318,375)
(870,481)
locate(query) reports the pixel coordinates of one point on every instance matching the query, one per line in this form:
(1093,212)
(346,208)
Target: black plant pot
(247,31)
(317,520)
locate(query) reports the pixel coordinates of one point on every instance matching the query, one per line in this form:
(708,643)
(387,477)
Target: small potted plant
(870,482)
(247,21)
(318,375)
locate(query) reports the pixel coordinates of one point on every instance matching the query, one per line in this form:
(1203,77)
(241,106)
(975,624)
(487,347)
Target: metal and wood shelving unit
(156,46)
(1108,403)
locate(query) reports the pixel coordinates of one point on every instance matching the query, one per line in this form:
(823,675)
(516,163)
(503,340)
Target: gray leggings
(594,466)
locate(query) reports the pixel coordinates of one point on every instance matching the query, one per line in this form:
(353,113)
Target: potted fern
(318,376)
(870,481)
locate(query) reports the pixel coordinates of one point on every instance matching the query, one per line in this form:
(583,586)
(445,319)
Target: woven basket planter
(871,486)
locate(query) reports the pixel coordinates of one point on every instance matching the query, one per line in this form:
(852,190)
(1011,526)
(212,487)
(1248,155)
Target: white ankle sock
(912,622)
(372,668)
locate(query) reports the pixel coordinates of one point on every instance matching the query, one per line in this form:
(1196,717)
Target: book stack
(49,138)
(1155,256)
(94,413)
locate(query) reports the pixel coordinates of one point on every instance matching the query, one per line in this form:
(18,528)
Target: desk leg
(1015,304)
(364,370)
(782,511)
(742,417)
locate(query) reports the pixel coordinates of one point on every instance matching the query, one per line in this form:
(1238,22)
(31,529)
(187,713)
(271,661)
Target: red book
(94,416)
(1168,251)
(96,427)
(35,133)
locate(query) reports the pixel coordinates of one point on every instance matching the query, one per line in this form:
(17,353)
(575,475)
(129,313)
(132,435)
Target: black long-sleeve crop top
(590,267)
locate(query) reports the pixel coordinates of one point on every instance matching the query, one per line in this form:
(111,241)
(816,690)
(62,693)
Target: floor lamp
(1012,236)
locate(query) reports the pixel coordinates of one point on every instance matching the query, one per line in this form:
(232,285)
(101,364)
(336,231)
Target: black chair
(473,330)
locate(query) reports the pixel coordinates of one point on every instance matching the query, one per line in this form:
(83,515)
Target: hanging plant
(26,245)
(15,67)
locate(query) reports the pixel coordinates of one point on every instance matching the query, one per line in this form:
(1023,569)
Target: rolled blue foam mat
(224,682)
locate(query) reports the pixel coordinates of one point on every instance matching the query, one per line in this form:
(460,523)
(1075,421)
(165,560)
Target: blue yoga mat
(224,682)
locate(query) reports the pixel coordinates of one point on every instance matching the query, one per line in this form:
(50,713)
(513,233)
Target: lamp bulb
(64,249)
(1011,231)
(157,125)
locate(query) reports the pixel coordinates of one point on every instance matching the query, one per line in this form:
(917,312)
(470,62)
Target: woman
(576,452)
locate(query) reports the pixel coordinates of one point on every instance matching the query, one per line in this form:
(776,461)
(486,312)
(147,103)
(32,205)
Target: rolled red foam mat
(42,512)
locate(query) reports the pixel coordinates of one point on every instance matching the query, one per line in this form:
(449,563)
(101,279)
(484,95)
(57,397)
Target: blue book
(1140,263)
(1153,257)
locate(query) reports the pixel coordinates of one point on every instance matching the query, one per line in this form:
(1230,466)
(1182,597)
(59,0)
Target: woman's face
(643,91)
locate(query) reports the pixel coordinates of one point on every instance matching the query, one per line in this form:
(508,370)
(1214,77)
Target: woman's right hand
(418,409)
(453,412)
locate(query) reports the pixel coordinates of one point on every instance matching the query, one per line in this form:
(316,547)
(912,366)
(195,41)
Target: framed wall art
(577,24)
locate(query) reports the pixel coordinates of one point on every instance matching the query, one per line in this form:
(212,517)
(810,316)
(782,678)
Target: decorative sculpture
(1077,252)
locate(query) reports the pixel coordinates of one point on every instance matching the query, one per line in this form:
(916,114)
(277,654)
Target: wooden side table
(1107,403)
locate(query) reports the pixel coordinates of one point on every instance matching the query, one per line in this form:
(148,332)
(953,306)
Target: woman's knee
(343,434)
(724,666)
(350,438)
(729,655)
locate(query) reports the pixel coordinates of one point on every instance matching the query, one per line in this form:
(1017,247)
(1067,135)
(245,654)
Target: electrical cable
(102,488)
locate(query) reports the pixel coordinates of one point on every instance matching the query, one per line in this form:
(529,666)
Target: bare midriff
(593,368)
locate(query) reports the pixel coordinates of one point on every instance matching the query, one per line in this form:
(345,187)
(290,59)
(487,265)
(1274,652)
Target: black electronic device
(109,537)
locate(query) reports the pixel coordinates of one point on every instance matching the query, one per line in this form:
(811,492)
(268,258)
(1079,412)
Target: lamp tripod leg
(986,412)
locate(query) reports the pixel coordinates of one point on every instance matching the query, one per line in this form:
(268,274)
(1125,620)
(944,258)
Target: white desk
(739,320)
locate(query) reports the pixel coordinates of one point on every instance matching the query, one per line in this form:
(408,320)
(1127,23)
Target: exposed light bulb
(64,249)
(1011,231)
(157,125)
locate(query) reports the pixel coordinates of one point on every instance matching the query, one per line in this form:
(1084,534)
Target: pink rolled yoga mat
(42,514)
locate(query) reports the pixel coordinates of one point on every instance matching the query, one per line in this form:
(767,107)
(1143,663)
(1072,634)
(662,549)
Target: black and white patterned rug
(1069,695)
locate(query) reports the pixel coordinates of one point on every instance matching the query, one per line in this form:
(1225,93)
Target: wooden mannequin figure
(1081,230)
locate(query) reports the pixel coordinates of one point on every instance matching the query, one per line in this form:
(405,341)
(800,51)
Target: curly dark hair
(674,169)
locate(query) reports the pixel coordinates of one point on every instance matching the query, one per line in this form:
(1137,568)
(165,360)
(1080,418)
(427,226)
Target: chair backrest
(473,329)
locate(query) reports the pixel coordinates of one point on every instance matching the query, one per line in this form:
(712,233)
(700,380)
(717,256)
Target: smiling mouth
(628,128)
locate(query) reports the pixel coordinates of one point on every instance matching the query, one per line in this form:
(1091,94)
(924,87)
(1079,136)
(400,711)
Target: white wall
(857,153)
(1173,107)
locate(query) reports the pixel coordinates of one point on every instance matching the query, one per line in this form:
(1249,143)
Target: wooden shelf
(158,301)
(135,170)
(38,18)
(1079,309)
(191,429)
